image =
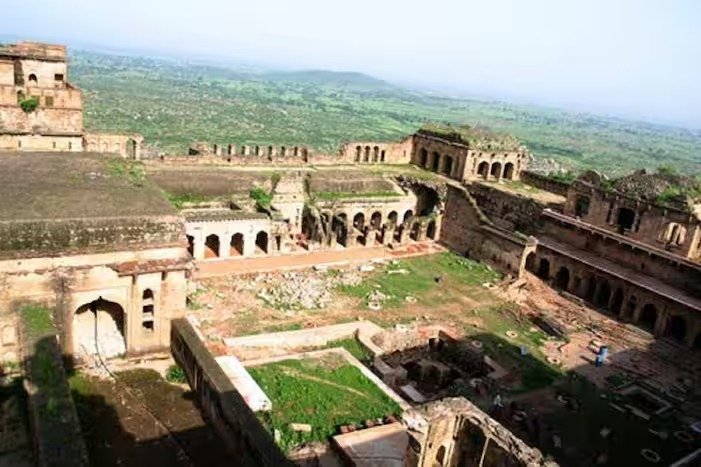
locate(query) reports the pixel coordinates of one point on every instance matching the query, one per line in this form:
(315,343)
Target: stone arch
(376,154)
(360,240)
(262,241)
(677,328)
(415,231)
(211,246)
(270,151)
(648,317)
(190,245)
(625,218)
(590,288)
(295,151)
(340,226)
(382,155)
(359,221)
(509,171)
(305,154)
(431,230)
(376,220)
(283,151)
(32,78)
(256,151)
(130,148)
(530,262)
(358,153)
(562,278)
(617,301)
(440,455)
(674,233)
(435,161)
(367,154)
(447,165)
(392,217)
(604,294)
(544,269)
(407,215)
(423,157)
(236,245)
(99,326)
(495,170)
(483,169)
(581,206)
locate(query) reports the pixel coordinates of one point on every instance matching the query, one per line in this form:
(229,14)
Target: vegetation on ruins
(417,278)
(261,197)
(337,195)
(324,394)
(173,104)
(475,137)
(175,374)
(133,171)
(29,104)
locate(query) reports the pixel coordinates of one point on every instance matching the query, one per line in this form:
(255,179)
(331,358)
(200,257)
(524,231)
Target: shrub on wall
(29,104)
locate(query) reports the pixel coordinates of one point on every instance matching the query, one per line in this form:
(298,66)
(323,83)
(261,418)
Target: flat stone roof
(73,185)
(73,203)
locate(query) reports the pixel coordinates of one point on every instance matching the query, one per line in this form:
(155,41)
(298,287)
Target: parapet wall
(23,239)
(544,182)
(221,404)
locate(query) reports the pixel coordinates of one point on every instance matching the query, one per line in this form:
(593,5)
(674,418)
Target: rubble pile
(301,290)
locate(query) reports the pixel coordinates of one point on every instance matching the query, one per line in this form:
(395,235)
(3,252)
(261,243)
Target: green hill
(173,104)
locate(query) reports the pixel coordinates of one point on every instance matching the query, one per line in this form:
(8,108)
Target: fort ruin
(118,248)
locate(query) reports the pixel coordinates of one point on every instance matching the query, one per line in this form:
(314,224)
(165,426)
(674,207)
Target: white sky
(640,58)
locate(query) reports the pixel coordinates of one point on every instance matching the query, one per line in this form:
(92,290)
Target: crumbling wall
(544,182)
(128,146)
(468,231)
(459,433)
(509,211)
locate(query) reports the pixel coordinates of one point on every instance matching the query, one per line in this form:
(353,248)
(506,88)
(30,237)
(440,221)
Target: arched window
(358,153)
(423,157)
(581,207)
(32,78)
(147,310)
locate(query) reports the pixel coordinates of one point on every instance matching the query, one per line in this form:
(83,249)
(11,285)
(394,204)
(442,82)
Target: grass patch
(324,394)
(178,201)
(261,197)
(352,345)
(37,320)
(175,374)
(457,276)
(130,170)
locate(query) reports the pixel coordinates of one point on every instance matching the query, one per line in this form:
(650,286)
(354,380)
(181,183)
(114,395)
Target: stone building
(620,246)
(40,110)
(95,246)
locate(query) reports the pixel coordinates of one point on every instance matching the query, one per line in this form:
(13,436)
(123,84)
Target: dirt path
(306,260)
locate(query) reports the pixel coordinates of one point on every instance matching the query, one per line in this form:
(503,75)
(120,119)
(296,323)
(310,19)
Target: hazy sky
(640,58)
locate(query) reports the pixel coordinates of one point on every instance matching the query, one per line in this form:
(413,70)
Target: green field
(459,277)
(323,393)
(173,104)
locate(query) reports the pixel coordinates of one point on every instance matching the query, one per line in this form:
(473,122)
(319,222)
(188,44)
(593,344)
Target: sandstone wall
(43,121)
(377,152)
(27,239)
(41,143)
(469,232)
(128,146)
(509,211)
(544,182)
(679,274)
(67,283)
(652,223)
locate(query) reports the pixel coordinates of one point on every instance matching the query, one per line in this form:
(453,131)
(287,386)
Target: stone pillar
(249,243)
(661,323)
(198,245)
(224,245)
(389,235)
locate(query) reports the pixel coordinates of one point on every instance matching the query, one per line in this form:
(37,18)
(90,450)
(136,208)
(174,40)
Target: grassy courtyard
(323,393)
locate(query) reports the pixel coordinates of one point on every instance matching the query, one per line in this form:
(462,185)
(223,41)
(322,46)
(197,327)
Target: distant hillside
(173,104)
